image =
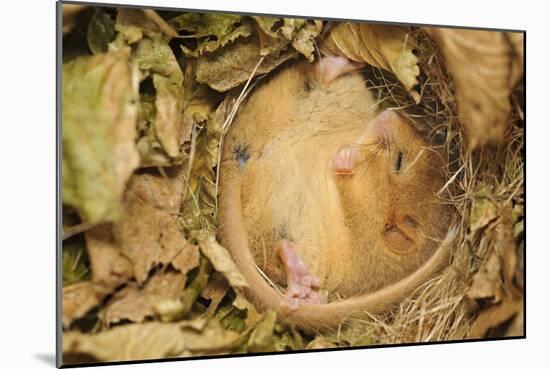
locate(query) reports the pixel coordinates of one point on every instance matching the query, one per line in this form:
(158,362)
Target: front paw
(344,162)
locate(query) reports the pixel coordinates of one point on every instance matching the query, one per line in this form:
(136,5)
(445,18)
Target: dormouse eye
(398,161)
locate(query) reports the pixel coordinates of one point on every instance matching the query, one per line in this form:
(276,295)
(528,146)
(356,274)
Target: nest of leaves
(146,99)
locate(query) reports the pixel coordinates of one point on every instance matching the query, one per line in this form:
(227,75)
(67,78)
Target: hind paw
(300,282)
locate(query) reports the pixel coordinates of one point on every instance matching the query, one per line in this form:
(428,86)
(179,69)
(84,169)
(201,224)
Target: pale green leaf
(99,114)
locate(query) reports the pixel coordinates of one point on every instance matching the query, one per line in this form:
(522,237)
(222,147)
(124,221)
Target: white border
(28,181)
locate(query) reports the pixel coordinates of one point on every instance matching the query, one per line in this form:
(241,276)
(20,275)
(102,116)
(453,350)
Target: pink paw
(330,68)
(300,282)
(345,160)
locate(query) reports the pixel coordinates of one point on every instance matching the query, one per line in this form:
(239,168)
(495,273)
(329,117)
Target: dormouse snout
(385,124)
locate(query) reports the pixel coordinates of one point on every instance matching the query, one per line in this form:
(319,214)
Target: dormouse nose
(384,124)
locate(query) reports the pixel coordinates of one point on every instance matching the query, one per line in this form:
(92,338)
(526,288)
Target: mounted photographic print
(235,184)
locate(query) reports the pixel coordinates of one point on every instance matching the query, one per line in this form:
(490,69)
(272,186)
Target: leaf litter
(157,91)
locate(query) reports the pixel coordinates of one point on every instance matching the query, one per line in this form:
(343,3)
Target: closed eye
(399,161)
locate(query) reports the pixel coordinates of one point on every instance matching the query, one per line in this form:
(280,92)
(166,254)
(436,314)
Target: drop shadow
(46,358)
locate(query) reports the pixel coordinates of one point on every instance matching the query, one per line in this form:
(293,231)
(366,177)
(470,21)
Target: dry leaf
(353,332)
(252,315)
(154,55)
(505,245)
(381,46)
(495,279)
(495,316)
(168,119)
(214,291)
(160,116)
(210,337)
(187,258)
(100,32)
(269,40)
(288,338)
(291,26)
(485,66)
(110,267)
(148,233)
(169,310)
(221,259)
(482,213)
(274,37)
(70,13)
(133,25)
(486,283)
(516,328)
(135,304)
(261,338)
(224,70)
(320,343)
(168,31)
(80,298)
(303,41)
(172,310)
(170,129)
(211,31)
(99,131)
(200,210)
(152,340)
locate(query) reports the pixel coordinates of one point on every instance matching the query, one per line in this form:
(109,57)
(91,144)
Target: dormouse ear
(331,67)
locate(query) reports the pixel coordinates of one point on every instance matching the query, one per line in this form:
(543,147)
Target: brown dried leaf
(152,340)
(486,282)
(224,70)
(110,267)
(495,279)
(495,276)
(187,258)
(154,55)
(516,327)
(208,337)
(153,153)
(381,46)
(300,33)
(198,103)
(80,298)
(319,343)
(220,259)
(505,245)
(495,316)
(146,236)
(214,291)
(70,13)
(168,119)
(268,37)
(252,315)
(132,25)
(485,67)
(135,304)
(303,40)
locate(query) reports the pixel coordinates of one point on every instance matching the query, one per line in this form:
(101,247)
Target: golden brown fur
(362,233)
